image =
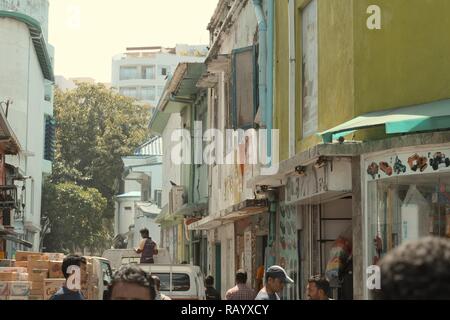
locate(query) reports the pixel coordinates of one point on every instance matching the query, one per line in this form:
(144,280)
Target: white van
(179,282)
(119,257)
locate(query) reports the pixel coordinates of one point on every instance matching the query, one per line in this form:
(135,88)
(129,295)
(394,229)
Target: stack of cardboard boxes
(32,276)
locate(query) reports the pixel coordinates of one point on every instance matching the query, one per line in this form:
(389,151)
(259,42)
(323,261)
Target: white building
(26,79)
(142,72)
(140,203)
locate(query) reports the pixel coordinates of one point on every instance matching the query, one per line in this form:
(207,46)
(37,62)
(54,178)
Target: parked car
(179,282)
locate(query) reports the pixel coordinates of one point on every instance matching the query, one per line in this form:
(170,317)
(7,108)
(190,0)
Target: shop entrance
(335,239)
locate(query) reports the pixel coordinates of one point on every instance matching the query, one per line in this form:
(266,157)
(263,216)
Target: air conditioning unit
(176,199)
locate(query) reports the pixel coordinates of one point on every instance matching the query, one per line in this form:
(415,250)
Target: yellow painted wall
(361,70)
(407,61)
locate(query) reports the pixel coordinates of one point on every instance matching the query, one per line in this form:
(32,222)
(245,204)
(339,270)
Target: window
(128,92)
(49,142)
(157,197)
(245,87)
(164,70)
(107,273)
(148,72)
(148,93)
(309,70)
(406,208)
(128,208)
(128,73)
(180,281)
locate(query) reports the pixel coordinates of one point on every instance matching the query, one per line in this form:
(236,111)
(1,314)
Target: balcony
(8,197)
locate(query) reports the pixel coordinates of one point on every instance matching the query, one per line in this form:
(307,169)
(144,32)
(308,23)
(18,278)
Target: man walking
(276,278)
(240,291)
(147,247)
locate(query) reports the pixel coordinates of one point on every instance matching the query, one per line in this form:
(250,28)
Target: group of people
(415,270)
(275,279)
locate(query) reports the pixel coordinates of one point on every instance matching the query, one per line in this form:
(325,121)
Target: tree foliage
(95,129)
(76,218)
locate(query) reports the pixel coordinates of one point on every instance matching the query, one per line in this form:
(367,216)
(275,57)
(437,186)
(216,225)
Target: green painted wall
(362,70)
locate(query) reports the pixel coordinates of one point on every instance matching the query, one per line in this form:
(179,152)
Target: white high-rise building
(142,72)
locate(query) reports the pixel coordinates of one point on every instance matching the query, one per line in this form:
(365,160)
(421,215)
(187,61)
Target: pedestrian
(240,291)
(159,295)
(276,277)
(210,291)
(64,293)
(132,283)
(147,247)
(416,270)
(260,278)
(318,288)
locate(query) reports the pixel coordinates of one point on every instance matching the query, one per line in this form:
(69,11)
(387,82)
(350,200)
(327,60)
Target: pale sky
(86,34)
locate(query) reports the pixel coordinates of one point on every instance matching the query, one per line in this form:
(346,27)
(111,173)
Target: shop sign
(408,163)
(333,175)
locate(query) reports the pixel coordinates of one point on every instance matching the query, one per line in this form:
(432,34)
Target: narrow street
(224,150)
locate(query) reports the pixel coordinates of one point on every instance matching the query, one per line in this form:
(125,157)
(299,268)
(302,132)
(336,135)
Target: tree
(95,129)
(76,218)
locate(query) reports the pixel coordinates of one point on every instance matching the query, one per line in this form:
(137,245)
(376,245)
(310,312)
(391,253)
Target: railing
(8,197)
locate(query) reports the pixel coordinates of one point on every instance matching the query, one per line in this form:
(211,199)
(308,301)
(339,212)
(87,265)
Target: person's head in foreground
(276,278)
(318,288)
(72,260)
(132,283)
(416,270)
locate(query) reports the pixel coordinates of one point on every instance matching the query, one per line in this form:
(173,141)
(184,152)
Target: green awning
(40,45)
(419,118)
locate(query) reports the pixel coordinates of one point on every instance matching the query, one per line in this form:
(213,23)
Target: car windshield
(180,281)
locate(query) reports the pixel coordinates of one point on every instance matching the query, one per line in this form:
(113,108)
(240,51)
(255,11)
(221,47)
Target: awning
(179,93)
(235,212)
(12,236)
(8,139)
(192,209)
(419,118)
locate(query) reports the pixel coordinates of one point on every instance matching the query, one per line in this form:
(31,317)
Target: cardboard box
(4,288)
(39,264)
(23,255)
(37,285)
(51,286)
(23,277)
(37,276)
(9,276)
(21,264)
(55,271)
(19,288)
(36,297)
(18,298)
(13,269)
(7,263)
(37,292)
(55,256)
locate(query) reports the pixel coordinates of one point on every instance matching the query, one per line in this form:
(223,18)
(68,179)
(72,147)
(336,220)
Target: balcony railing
(8,197)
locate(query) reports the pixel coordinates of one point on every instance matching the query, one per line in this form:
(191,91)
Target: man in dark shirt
(147,247)
(211,292)
(64,293)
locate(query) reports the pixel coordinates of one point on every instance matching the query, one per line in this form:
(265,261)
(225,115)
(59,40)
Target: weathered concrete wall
(359,274)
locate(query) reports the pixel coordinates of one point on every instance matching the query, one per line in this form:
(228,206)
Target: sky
(86,34)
